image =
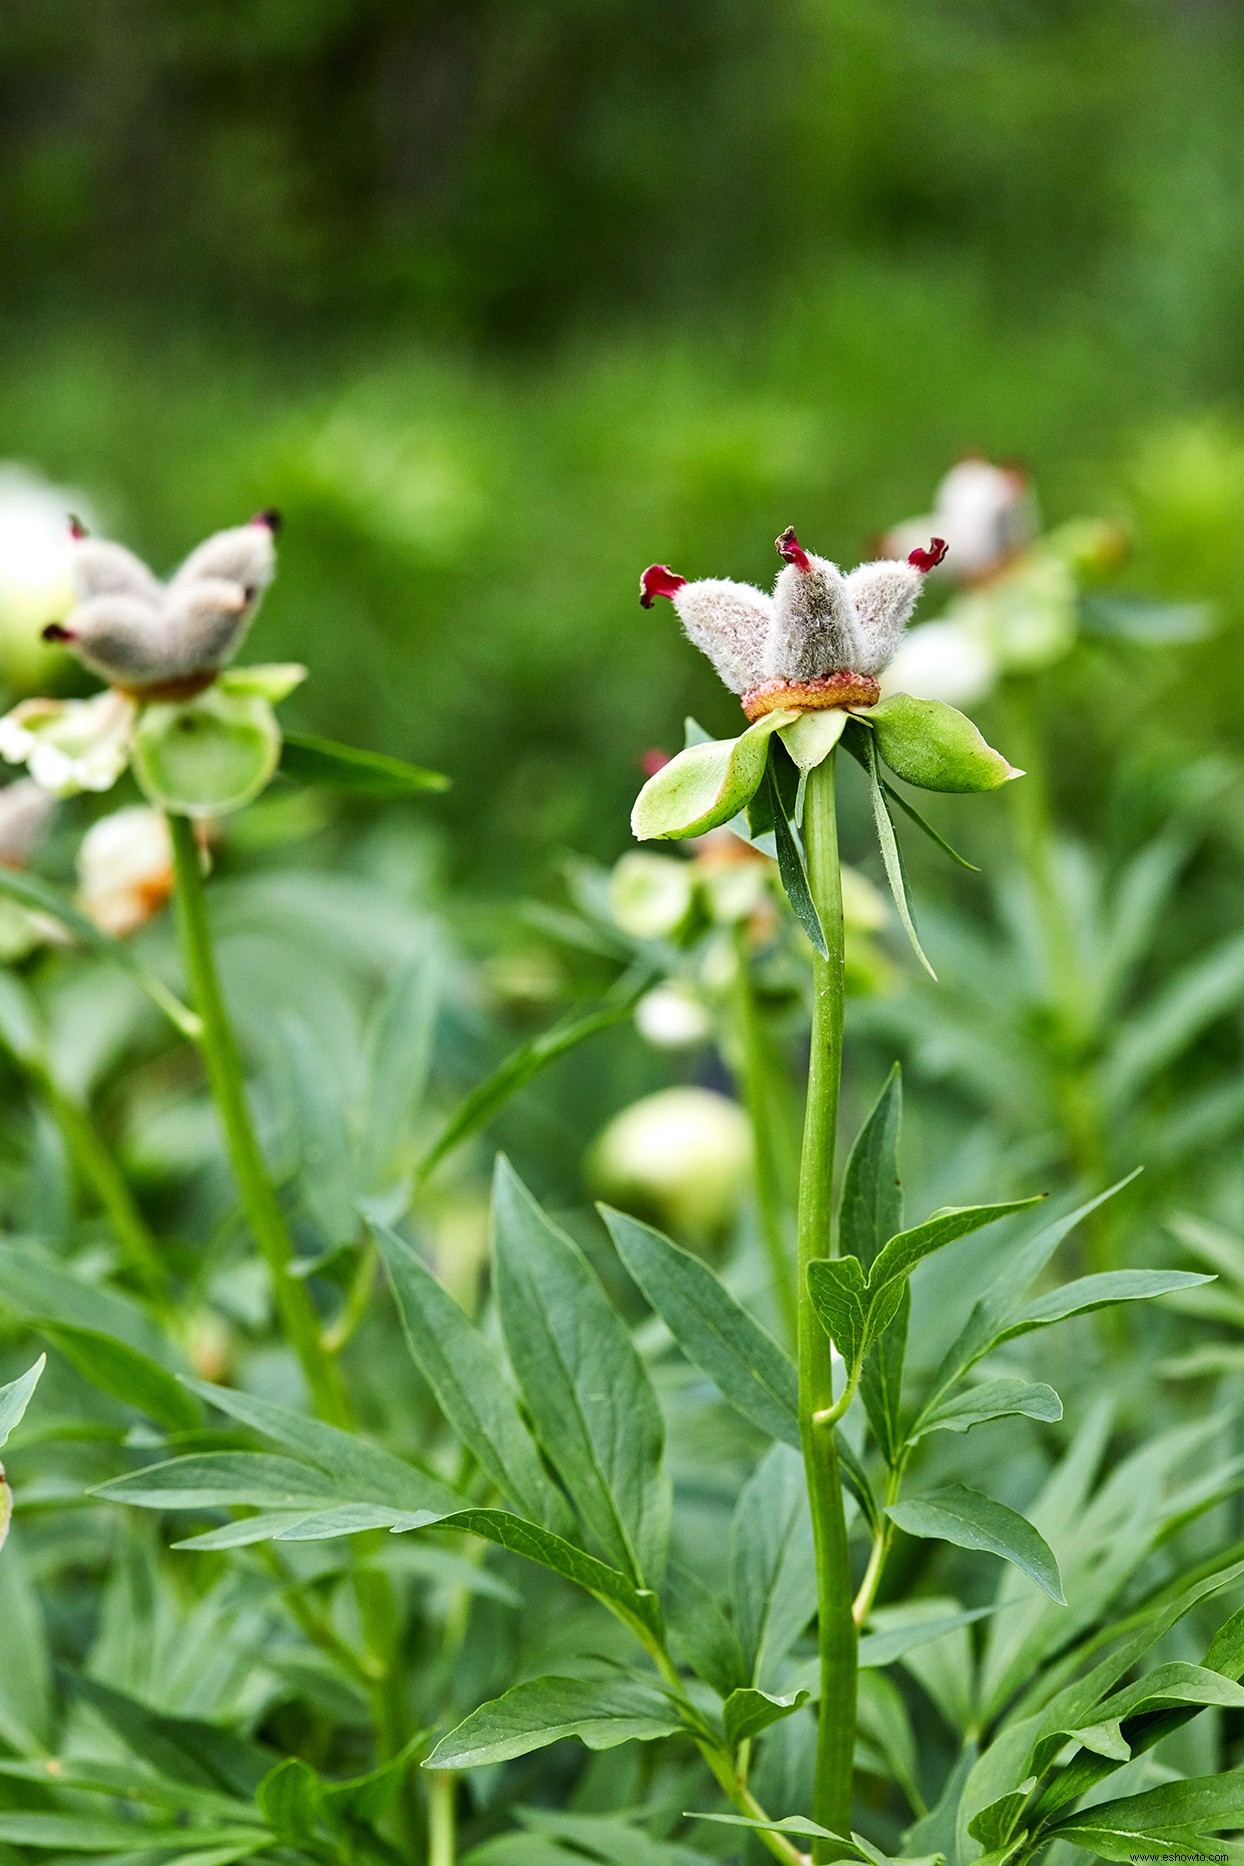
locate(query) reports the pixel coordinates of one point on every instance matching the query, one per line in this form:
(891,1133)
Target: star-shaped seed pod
(158,640)
(805,663)
(202,736)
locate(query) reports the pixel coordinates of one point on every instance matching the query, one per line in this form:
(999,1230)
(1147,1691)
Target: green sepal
(812,736)
(935,747)
(705,785)
(208,755)
(271,680)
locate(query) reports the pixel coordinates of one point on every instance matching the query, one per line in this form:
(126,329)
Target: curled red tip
(789,547)
(77,529)
(56,631)
(658,580)
(651,762)
(268,518)
(924,561)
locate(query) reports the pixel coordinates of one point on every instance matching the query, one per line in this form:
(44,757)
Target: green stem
(442,1837)
(98,1169)
(224,1072)
(755,1072)
(836,1631)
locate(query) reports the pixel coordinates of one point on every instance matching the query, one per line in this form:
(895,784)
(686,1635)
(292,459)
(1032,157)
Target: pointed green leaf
(1096,1292)
(871,1209)
(891,855)
(794,874)
(358,773)
(470,1388)
(586,1389)
(1196,1807)
(934,746)
(715,1332)
(747,1712)
(772,1562)
(15,1398)
(901,1254)
(972,1521)
(992,1399)
(706,784)
(600,1712)
(290,1801)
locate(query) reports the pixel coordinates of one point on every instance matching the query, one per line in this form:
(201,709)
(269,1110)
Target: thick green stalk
(91,1155)
(228,1086)
(836,1631)
(755,1067)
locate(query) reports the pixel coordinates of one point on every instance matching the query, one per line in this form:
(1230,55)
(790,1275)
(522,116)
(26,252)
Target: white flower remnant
(147,637)
(820,640)
(986,513)
(125,869)
(70,745)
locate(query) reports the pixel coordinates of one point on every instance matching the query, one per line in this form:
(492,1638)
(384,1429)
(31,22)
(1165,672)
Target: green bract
(932,745)
(202,756)
(705,785)
(216,752)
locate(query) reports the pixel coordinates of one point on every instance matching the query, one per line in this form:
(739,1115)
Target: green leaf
(222,1479)
(891,856)
(399,1058)
(1202,1804)
(1159,1031)
(900,1255)
(478,1108)
(926,828)
(206,756)
(747,1712)
(361,1471)
(358,773)
(33,892)
(700,1630)
(793,873)
(934,746)
(811,737)
(187,1749)
(471,1390)
(871,1208)
(123,1373)
(132,1780)
(600,1712)
(772,1562)
(851,1314)
(15,1398)
(614,1590)
(992,1399)
(1095,1292)
(706,784)
(289,1800)
(79,1834)
(972,1521)
(889,1643)
(715,1332)
(586,1389)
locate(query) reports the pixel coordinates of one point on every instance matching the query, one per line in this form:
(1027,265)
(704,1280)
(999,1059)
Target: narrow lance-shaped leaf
(15,1398)
(714,1331)
(772,1562)
(470,1388)
(794,874)
(600,1712)
(586,1389)
(972,1521)
(477,1108)
(358,773)
(747,1712)
(901,1254)
(1087,1293)
(891,856)
(992,1399)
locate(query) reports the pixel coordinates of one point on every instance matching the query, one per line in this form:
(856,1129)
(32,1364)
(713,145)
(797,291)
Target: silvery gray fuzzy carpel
(819,626)
(166,640)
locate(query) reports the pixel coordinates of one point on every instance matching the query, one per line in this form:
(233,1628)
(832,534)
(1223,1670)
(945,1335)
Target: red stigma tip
(924,561)
(56,631)
(658,580)
(77,529)
(271,520)
(789,547)
(653,761)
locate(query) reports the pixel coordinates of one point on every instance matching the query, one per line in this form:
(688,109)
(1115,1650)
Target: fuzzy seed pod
(814,627)
(727,621)
(139,634)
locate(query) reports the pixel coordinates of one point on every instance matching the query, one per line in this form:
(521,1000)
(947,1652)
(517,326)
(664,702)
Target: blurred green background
(499,304)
